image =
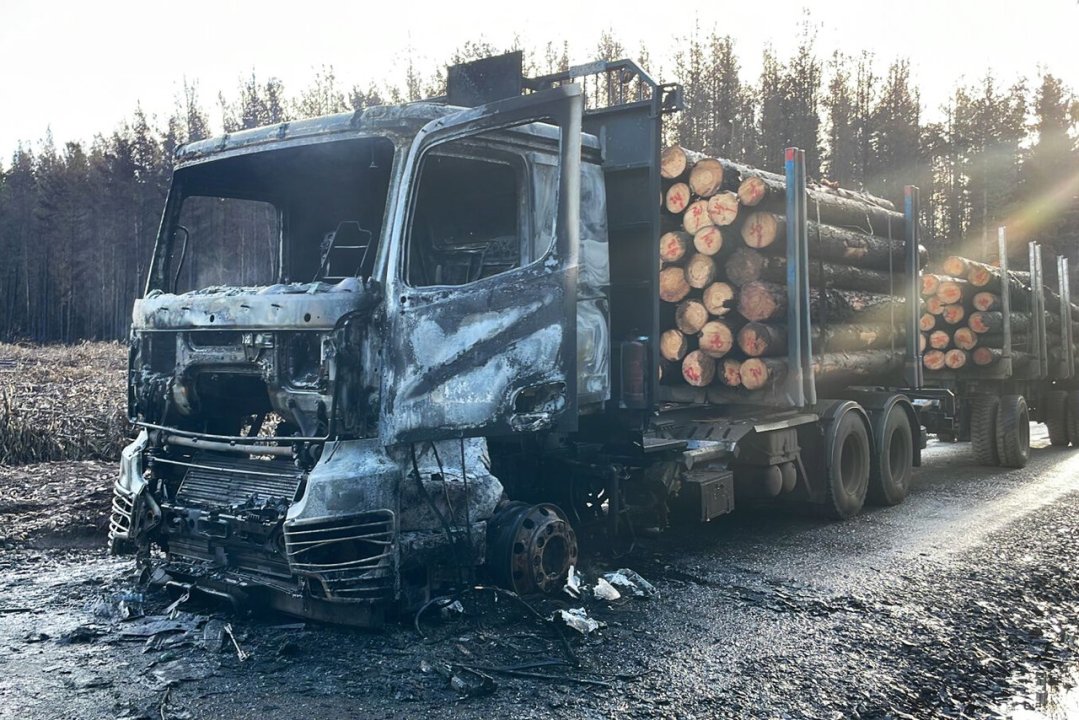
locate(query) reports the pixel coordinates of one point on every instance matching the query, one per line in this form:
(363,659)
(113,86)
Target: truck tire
(1013,431)
(1071,415)
(848,467)
(983,430)
(1056,418)
(893,461)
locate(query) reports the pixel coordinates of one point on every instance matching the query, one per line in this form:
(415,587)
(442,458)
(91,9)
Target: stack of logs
(962,319)
(723,280)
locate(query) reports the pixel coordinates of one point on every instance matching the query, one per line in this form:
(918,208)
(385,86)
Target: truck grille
(217,481)
(352,557)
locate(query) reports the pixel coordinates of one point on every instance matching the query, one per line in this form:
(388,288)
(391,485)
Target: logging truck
(382,354)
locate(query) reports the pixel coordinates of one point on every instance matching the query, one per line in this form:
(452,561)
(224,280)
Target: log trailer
(435,355)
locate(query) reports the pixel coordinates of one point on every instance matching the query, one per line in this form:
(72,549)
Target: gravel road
(962,602)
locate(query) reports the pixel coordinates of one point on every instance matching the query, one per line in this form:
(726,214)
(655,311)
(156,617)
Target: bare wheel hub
(531,547)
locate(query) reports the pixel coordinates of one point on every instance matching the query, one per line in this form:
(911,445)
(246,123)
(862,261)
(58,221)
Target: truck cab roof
(395,121)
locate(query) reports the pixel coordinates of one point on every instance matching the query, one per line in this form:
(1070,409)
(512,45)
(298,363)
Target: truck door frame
(429,400)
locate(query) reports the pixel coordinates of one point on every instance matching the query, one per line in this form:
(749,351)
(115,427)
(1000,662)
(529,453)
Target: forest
(78,222)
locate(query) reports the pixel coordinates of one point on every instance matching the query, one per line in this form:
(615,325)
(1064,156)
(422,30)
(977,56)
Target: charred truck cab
(339,313)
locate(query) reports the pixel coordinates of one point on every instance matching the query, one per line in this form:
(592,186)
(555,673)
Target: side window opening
(467,224)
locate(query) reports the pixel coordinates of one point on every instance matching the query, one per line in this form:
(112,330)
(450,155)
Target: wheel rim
(536,545)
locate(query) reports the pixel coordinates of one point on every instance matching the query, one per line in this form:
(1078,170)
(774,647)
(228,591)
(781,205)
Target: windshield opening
(300,214)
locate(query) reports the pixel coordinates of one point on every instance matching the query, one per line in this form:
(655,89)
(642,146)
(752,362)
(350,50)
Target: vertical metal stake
(800,385)
(1042,334)
(1065,364)
(1005,297)
(913,236)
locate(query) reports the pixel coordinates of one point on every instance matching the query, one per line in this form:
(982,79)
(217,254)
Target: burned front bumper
(343,542)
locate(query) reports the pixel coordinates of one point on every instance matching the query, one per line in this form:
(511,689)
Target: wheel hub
(530,547)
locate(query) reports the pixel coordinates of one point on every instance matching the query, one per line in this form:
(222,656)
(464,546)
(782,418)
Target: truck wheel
(1013,431)
(1056,418)
(848,471)
(893,462)
(983,430)
(1071,416)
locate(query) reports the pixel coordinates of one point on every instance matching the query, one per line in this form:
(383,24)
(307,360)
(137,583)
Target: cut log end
(719,298)
(731,372)
(700,271)
(698,369)
(927,322)
(933,360)
(755,373)
(979,276)
(673,162)
(983,356)
(981,323)
(752,190)
(690,316)
(673,345)
(744,266)
(940,339)
(965,338)
(696,217)
(955,266)
(761,229)
(930,284)
(677,198)
(716,339)
(986,301)
(759,301)
(673,286)
(955,358)
(934,305)
(723,208)
(706,177)
(950,291)
(756,339)
(708,240)
(953,314)
(673,246)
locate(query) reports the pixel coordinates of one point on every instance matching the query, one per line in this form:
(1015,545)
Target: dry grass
(55,504)
(62,402)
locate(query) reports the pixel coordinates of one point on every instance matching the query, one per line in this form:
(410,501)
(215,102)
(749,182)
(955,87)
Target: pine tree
(801,84)
(772,122)
(1050,192)
(841,149)
(896,136)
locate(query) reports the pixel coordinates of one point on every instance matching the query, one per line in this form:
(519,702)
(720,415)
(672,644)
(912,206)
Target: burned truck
(380,354)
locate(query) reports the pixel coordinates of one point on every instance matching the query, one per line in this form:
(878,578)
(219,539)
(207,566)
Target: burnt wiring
(457,555)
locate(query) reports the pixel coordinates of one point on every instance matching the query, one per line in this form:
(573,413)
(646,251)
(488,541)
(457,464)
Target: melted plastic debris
(630,582)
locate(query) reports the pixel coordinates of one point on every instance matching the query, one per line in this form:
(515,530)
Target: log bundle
(963,323)
(724,276)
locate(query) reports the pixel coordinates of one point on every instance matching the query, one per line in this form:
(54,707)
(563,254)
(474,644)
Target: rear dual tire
(1056,418)
(893,460)
(848,467)
(1000,431)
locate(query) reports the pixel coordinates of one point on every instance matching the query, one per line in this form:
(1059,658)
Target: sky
(80,68)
